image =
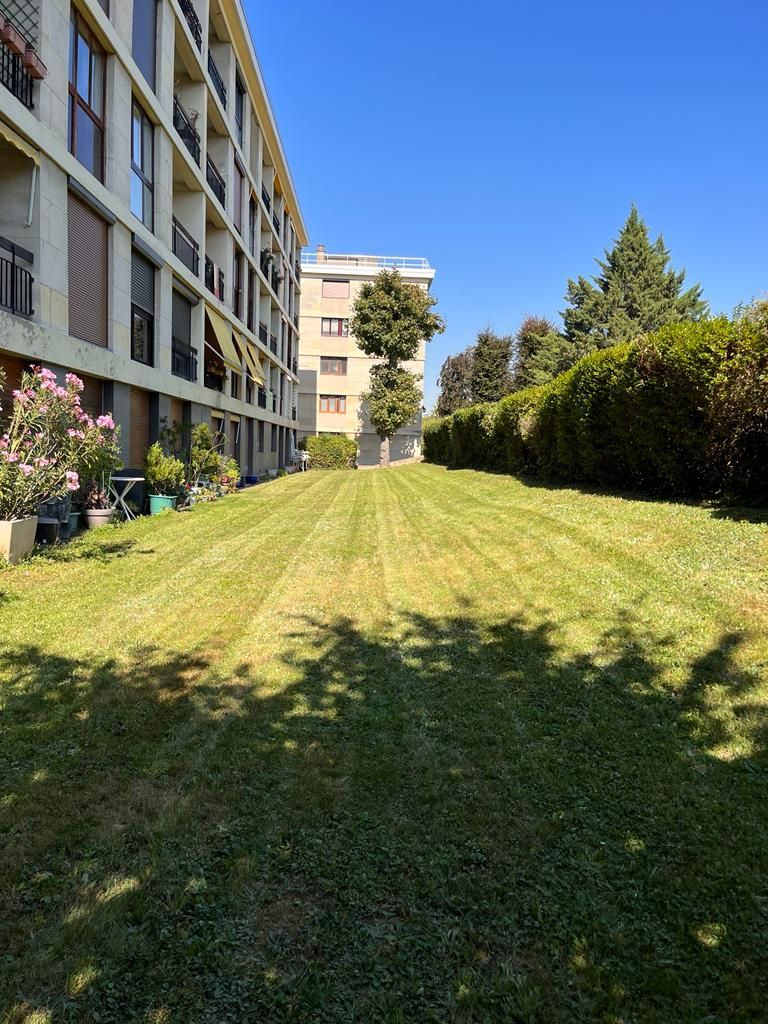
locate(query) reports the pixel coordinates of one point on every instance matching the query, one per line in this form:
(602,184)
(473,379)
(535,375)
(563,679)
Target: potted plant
(164,475)
(47,440)
(12,38)
(97,506)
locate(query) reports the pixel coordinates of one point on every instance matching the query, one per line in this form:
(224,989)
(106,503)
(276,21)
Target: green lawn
(389,747)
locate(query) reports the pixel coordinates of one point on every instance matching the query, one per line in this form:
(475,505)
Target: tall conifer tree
(635,293)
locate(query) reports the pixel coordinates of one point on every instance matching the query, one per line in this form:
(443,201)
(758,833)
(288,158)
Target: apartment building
(150,233)
(333,371)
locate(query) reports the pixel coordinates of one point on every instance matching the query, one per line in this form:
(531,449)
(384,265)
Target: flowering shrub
(51,444)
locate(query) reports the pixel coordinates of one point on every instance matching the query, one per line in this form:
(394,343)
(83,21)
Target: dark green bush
(684,410)
(331,451)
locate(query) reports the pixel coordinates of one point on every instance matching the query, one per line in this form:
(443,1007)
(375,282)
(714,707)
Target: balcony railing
(218,81)
(265,198)
(263,333)
(187,131)
(295,367)
(293,412)
(183,360)
(15,281)
(273,344)
(261,400)
(312,259)
(274,403)
(215,180)
(214,278)
(274,280)
(193,21)
(276,223)
(15,77)
(185,247)
(213,381)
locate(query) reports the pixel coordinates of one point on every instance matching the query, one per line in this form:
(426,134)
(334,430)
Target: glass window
(141,336)
(144,37)
(85,130)
(333,364)
(142,161)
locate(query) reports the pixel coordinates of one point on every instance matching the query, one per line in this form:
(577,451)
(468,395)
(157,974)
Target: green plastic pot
(159,502)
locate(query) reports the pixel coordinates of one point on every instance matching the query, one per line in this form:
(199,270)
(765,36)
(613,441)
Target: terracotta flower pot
(17,538)
(13,39)
(33,64)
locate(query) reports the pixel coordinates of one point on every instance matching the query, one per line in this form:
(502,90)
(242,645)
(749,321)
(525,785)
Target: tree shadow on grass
(460,820)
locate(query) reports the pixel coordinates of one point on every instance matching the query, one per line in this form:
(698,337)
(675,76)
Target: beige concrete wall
(313,383)
(179,187)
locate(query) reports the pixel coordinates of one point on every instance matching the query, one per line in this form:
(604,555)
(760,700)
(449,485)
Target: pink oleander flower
(106,421)
(74,381)
(75,433)
(42,462)
(25,469)
(73,481)
(12,457)
(43,409)
(88,421)
(20,397)
(4,441)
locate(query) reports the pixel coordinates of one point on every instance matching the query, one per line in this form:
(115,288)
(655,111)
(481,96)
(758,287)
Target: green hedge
(331,451)
(684,410)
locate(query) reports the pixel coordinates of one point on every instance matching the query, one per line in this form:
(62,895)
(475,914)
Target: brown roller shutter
(139,440)
(92,396)
(11,369)
(177,411)
(87,273)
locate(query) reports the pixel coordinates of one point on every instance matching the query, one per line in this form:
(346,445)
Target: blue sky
(506,141)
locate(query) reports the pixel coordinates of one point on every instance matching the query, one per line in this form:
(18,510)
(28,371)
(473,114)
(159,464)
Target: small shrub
(164,474)
(331,451)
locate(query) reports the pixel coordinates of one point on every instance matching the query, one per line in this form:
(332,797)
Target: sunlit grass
(406,746)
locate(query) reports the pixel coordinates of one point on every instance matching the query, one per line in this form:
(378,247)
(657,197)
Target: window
(235,377)
(85,128)
(142,309)
(333,364)
(261,435)
(144,36)
(274,438)
(87,252)
(335,289)
(142,164)
(334,325)
(183,356)
(239,108)
(333,403)
(237,286)
(237,215)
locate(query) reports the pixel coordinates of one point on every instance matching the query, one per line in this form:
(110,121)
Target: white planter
(17,538)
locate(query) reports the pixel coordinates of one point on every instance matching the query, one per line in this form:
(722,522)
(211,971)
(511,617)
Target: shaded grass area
(409,746)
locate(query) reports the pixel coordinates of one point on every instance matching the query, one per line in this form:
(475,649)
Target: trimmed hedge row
(683,411)
(331,451)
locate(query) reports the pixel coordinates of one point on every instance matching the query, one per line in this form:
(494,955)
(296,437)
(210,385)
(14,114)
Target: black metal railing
(274,280)
(193,21)
(215,180)
(274,403)
(273,344)
(15,77)
(183,360)
(262,398)
(185,247)
(293,412)
(218,81)
(265,198)
(263,333)
(15,281)
(187,131)
(295,367)
(214,278)
(276,223)
(213,381)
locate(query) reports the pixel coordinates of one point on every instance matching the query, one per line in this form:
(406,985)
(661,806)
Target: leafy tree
(455,383)
(390,319)
(491,377)
(635,293)
(541,353)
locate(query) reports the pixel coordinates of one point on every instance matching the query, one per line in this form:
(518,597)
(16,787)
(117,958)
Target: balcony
(216,181)
(214,278)
(261,400)
(14,76)
(265,198)
(293,412)
(185,247)
(274,402)
(186,130)
(15,281)
(217,81)
(276,224)
(263,333)
(183,360)
(193,21)
(273,344)
(295,367)
(274,280)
